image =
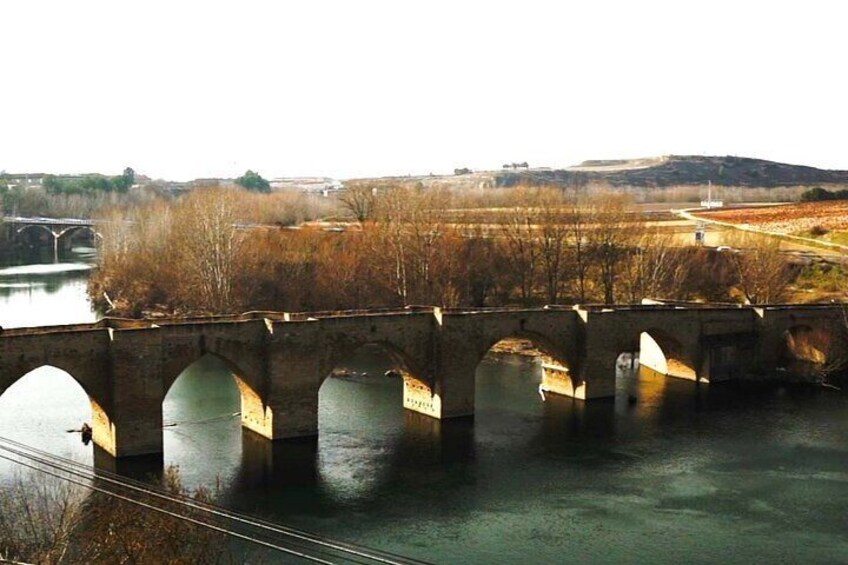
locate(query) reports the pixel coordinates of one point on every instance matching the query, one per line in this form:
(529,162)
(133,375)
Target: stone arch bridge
(280,360)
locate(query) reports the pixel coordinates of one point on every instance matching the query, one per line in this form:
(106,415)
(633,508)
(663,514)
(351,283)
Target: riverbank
(515,346)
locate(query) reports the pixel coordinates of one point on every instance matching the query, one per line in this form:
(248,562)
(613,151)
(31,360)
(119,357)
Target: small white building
(710,203)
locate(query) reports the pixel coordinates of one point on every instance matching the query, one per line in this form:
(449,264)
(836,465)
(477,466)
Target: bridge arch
(559,365)
(89,229)
(103,429)
(542,344)
(402,362)
(256,413)
(805,349)
(418,392)
(39,226)
(670,357)
(662,352)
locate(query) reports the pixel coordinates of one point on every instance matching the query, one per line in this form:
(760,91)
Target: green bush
(819,194)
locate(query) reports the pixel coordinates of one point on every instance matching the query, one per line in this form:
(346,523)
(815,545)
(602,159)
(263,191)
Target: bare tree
(552,237)
(762,272)
(653,268)
(522,249)
(134,256)
(580,219)
(45,520)
(38,516)
(427,230)
(207,246)
(359,199)
(609,236)
(393,213)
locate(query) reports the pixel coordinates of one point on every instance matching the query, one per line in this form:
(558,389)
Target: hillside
(677,170)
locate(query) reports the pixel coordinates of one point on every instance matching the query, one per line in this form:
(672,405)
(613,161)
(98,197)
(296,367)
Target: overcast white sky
(180,89)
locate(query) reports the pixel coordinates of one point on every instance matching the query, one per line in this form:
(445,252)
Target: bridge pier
(102,428)
(136,378)
(294,369)
(256,415)
(448,391)
(293,413)
(559,380)
(450,396)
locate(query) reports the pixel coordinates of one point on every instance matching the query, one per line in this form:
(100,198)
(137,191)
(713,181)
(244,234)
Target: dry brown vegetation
(45,520)
(36,201)
(411,246)
(762,272)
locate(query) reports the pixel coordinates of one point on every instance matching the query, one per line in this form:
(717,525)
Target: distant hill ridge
(677,170)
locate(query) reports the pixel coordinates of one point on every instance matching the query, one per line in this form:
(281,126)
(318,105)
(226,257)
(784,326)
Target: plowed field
(789,218)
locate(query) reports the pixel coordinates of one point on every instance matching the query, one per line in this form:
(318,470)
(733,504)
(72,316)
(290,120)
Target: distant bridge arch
(36,226)
(94,233)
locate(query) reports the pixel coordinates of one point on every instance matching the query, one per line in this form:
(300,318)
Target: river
(729,473)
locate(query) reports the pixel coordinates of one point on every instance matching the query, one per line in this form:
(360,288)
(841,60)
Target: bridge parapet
(44,330)
(658,307)
(51,221)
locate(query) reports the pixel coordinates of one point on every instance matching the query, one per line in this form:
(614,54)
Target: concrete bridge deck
(279,360)
(42,221)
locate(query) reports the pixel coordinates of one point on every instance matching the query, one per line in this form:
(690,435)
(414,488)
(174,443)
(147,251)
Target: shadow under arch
(38,226)
(559,367)
(103,430)
(418,393)
(256,414)
(361,420)
(805,350)
(661,352)
(94,234)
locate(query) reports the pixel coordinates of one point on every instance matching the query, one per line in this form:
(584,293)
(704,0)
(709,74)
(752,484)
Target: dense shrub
(195,256)
(818,194)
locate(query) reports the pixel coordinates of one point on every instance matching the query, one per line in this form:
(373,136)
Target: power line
(107,492)
(374,555)
(292,535)
(177,500)
(166,512)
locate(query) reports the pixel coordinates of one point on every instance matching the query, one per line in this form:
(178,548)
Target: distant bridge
(56,227)
(280,360)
